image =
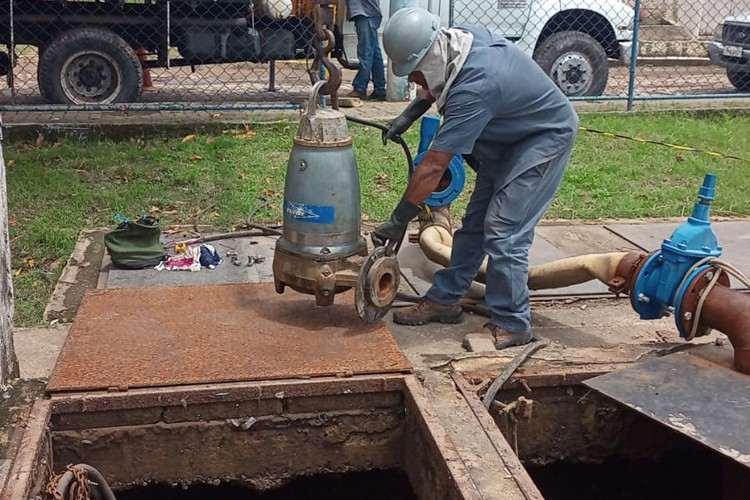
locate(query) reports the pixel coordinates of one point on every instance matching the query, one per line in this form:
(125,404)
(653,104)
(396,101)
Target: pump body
(322,247)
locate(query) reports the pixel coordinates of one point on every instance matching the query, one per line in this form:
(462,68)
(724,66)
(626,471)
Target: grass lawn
(55,190)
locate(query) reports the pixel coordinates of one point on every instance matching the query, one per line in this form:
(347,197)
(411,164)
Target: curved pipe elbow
(728,311)
(436,242)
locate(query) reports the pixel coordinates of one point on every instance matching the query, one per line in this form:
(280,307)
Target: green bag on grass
(135,244)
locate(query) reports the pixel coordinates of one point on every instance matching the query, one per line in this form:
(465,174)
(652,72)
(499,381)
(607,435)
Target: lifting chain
(76,487)
(323,45)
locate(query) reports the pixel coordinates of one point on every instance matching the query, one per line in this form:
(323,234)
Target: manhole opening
(577,444)
(369,485)
(337,438)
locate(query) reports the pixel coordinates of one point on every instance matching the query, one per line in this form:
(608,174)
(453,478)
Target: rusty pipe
(728,311)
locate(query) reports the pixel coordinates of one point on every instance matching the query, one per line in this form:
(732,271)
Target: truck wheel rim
(573,73)
(91,77)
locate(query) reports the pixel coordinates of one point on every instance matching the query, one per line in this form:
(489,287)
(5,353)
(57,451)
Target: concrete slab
(81,272)
(604,323)
(479,342)
(582,239)
(423,342)
(225,273)
(37,349)
(542,252)
(412,260)
(734,236)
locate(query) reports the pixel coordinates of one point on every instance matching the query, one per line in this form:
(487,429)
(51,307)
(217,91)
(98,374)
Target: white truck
(572,40)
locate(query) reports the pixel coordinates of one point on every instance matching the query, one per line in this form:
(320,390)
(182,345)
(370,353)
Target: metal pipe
(728,311)
(634,53)
(397,87)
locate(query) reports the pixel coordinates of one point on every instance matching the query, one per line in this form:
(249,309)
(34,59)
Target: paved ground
(581,316)
(586,336)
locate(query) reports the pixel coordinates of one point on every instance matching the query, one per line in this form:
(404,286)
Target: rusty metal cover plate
(696,394)
(153,337)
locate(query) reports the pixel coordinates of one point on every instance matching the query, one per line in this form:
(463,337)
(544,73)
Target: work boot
(427,311)
(504,338)
(355,94)
(501,337)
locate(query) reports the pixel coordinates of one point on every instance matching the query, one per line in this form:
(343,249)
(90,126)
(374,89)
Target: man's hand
(387,234)
(392,232)
(402,122)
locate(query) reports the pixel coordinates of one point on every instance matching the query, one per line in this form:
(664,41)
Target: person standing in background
(367,17)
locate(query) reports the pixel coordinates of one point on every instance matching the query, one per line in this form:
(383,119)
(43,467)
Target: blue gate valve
(427,132)
(665,277)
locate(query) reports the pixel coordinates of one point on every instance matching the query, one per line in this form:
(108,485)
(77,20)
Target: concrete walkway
(115,122)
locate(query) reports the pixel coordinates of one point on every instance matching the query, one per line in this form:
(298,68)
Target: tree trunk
(8,362)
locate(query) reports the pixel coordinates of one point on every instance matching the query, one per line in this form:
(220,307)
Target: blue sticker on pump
(316,214)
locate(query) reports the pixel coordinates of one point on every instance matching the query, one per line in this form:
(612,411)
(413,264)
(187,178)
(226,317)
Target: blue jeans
(499,223)
(368,53)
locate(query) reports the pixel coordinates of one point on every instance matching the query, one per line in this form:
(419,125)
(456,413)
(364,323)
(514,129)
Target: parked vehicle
(571,40)
(731,49)
(94,52)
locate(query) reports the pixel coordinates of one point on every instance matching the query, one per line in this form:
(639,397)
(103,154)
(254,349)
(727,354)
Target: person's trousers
(499,223)
(369,55)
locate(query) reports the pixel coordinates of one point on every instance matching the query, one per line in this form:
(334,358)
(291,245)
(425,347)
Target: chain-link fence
(218,53)
(586,46)
(99,52)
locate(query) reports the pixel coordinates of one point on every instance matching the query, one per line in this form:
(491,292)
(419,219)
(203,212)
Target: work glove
(391,233)
(402,122)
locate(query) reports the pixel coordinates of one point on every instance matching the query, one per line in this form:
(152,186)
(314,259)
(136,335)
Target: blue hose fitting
(427,132)
(665,277)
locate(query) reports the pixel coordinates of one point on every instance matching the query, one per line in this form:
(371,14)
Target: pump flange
(377,284)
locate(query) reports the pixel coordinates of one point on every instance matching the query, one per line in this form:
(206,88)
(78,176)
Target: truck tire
(89,66)
(740,79)
(575,61)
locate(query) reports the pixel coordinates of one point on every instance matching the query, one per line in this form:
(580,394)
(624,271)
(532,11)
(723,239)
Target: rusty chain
(78,486)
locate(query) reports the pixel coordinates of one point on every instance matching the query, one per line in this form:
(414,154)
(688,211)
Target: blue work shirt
(503,111)
(367,8)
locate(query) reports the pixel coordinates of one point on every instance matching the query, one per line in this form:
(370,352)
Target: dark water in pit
(685,477)
(371,485)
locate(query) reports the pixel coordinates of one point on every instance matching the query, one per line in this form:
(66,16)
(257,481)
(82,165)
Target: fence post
(634,54)
(8,362)
(12,52)
(397,87)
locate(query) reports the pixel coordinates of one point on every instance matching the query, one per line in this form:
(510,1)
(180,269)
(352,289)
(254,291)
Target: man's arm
(423,182)
(426,176)
(413,111)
